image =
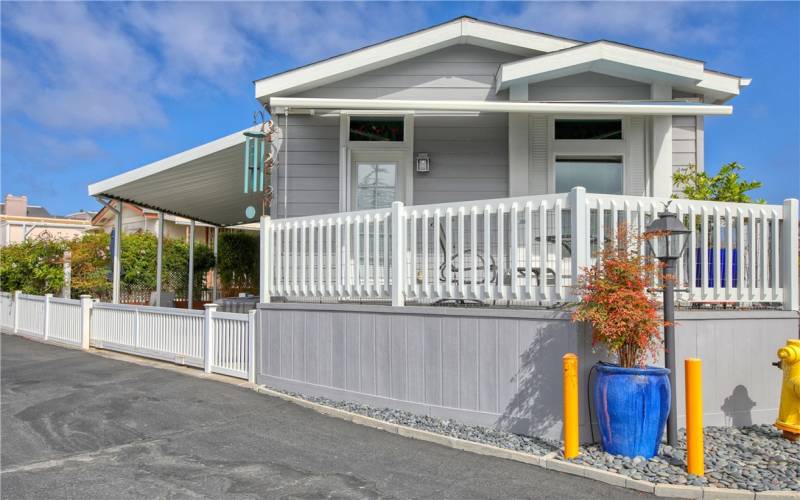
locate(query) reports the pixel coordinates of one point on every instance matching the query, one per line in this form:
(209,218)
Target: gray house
(474,163)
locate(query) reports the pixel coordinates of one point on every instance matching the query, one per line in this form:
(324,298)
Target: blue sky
(90,90)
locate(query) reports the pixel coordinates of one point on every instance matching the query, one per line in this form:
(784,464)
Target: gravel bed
(477,433)
(753,458)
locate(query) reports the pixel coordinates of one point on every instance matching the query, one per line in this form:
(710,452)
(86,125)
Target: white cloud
(659,23)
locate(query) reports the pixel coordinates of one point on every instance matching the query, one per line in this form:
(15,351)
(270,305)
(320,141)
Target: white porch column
(264,260)
(159,256)
(190,290)
(661,178)
(216,265)
(791,289)
(117,264)
(518,145)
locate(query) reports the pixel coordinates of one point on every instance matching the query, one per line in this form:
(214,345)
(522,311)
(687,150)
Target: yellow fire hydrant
(789,412)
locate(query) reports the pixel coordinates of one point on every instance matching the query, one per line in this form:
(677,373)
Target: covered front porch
(520,236)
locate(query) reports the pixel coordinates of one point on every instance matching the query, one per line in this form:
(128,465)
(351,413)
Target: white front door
(375,184)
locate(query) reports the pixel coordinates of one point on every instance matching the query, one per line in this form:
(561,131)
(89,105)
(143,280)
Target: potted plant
(630,398)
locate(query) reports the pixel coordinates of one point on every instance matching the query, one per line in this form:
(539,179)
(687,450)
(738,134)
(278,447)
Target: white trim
(400,151)
(617,60)
(586,148)
(99,187)
(461,30)
(589,108)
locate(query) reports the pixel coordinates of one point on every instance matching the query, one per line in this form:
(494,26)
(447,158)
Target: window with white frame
(581,129)
(595,173)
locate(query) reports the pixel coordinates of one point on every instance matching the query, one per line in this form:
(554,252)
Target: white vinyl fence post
(265,260)
(578,231)
(86,321)
(17,294)
(791,293)
(398,254)
(251,346)
(208,336)
(47,298)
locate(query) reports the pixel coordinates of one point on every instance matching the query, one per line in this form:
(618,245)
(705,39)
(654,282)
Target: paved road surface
(77,425)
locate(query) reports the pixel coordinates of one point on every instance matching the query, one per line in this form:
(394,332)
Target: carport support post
(208,336)
(190,291)
(117,264)
(264,260)
(86,321)
(216,265)
(159,256)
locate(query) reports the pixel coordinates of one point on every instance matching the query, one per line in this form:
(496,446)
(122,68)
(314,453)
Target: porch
(523,251)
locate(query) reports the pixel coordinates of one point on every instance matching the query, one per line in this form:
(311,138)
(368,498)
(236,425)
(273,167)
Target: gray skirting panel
(499,367)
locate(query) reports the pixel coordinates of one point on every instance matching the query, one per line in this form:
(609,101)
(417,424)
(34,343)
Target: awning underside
(206,189)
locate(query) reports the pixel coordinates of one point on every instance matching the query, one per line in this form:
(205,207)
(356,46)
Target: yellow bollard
(694,417)
(571,421)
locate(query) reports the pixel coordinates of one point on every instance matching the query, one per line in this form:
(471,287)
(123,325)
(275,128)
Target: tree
(724,186)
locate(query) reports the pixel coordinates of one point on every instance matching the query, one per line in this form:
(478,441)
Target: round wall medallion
(250,212)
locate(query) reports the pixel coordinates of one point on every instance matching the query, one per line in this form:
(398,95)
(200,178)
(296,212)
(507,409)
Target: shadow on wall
(737,407)
(536,408)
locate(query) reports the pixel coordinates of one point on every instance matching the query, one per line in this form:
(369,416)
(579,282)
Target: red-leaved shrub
(615,301)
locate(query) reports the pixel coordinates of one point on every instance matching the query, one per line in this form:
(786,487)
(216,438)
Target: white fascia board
(507,37)
(462,30)
(362,60)
(228,141)
(580,58)
(588,108)
(726,84)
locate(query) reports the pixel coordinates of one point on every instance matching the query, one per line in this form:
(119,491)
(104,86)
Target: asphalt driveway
(77,425)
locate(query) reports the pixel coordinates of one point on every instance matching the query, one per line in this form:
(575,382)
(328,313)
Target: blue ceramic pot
(631,406)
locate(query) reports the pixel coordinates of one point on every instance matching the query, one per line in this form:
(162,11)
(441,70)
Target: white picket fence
(218,342)
(528,249)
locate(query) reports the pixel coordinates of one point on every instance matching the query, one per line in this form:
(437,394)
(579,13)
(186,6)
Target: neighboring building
(138,219)
(20,221)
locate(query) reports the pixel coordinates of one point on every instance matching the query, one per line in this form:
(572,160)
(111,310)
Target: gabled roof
(544,57)
(460,30)
(623,61)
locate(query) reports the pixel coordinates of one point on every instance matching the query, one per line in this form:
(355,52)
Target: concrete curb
(548,461)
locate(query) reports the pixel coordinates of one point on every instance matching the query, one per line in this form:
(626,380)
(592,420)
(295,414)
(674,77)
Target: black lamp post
(667,237)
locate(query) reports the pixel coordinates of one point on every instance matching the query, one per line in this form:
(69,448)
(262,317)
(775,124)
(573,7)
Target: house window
(575,129)
(375,185)
(597,174)
(376,128)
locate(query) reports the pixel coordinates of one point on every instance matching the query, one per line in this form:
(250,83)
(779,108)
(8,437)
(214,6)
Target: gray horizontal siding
(469,158)
(457,72)
(587,86)
(313,172)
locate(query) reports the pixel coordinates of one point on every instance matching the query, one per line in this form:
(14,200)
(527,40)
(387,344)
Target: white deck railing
(218,342)
(523,250)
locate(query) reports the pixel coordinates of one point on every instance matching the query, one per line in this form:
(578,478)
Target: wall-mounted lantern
(423,163)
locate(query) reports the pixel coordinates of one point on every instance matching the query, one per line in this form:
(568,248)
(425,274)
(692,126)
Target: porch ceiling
(204,184)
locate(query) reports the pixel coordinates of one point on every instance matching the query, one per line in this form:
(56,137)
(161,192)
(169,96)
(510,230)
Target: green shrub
(238,260)
(34,266)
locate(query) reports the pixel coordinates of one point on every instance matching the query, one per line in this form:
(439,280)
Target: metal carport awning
(204,184)
(653,108)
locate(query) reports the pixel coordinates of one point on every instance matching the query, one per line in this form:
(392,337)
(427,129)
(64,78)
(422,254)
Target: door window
(376,185)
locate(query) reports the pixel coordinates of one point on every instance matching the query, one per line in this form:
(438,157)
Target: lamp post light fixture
(666,241)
